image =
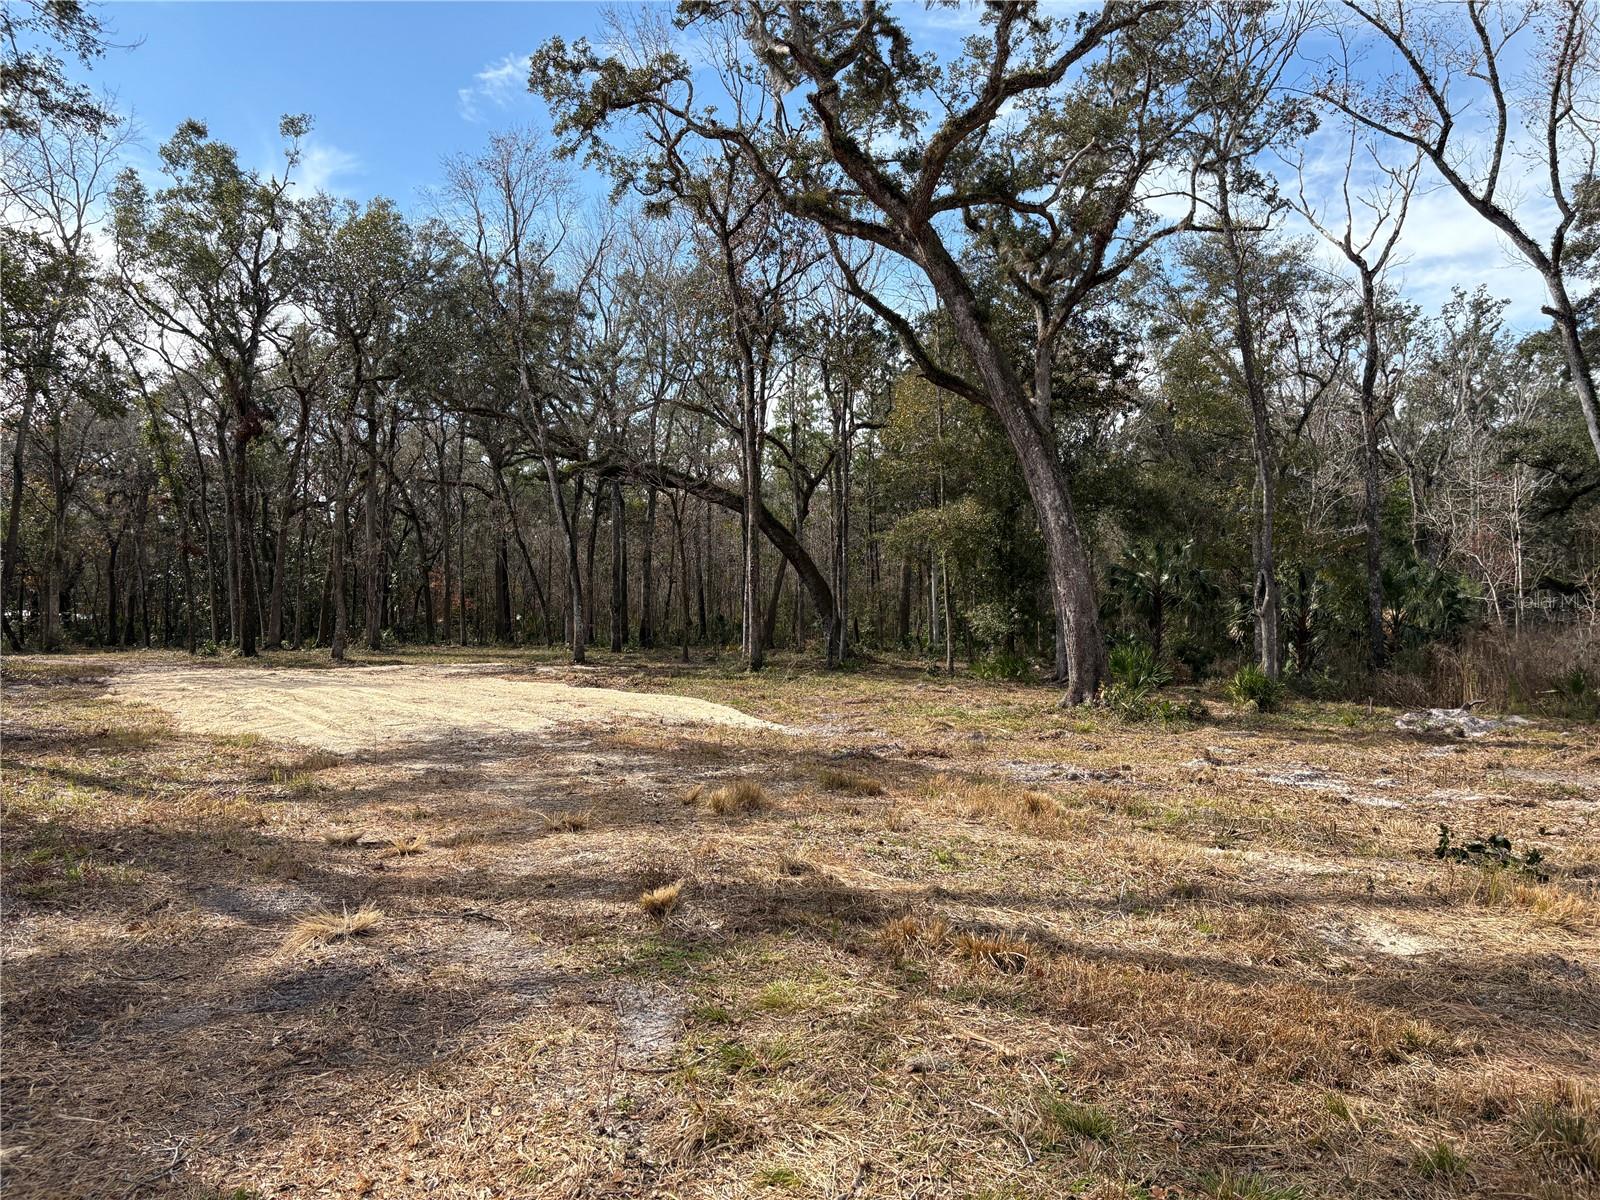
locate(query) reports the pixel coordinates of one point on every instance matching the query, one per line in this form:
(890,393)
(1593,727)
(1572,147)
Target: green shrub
(1135,664)
(1128,701)
(1002,664)
(1493,852)
(993,624)
(1251,685)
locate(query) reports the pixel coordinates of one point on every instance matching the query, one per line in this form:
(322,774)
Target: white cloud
(322,164)
(1444,244)
(499,85)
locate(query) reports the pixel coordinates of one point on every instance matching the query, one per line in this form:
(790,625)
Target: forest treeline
(1068,342)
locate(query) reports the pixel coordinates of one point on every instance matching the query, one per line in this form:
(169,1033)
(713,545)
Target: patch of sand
(1368,935)
(363,709)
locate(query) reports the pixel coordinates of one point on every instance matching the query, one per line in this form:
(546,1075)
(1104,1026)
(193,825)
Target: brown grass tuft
(319,928)
(901,934)
(658,903)
(848,783)
(572,820)
(740,796)
(403,847)
(317,760)
(1000,953)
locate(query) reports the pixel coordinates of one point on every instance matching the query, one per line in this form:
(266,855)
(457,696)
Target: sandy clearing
(363,709)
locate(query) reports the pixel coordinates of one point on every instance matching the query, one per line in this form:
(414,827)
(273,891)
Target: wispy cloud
(323,165)
(1444,244)
(498,86)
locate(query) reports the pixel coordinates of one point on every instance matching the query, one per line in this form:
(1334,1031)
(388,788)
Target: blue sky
(396,87)
(393,87)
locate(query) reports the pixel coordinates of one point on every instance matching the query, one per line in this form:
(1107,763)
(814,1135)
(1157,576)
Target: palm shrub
(1251,685)
(1135,664)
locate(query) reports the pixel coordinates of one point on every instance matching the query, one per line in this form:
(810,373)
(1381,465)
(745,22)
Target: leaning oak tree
(857,153)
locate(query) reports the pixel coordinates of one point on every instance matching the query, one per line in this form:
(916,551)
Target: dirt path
(353,710)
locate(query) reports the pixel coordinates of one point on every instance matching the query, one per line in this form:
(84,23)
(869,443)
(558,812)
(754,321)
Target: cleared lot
(946,940)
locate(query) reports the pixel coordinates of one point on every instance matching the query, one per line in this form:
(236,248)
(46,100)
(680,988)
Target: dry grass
(318,760)
(848,783)
(320,928)
(794,865)
(572,820)
(1064,961)
(405,846)
(1542,901)
(1565,1132)
(736,798)
(659,903)
(904,933)
(1001,953)
(1000,800)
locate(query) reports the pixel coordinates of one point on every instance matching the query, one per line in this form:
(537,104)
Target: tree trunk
(568,524)
(244,550)
(904,611)
(594,534)
(770,620)
(502,590)
(1265,591)
(1071,581)
(286,510)
(373,559)
(113,623)
(341,613)
(702,566)
(619,570)
(1561,310)
(751,431)
(1370,419)
(461,530)
(8,568)
(647,584)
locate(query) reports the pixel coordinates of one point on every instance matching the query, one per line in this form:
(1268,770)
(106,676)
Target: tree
(1454,59)
(357,267)
(506,206)
(1245,117)
(57,179)
(205,261)
(34,89)
(1370,251)
(817,159)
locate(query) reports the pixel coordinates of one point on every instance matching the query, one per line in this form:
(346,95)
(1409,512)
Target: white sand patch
(355,709)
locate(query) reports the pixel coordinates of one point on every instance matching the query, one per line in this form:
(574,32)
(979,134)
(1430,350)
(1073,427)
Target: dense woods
(1068,345)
